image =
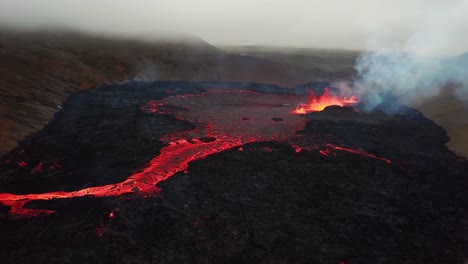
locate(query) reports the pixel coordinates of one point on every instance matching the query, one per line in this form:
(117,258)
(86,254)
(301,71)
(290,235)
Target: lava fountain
(318,103)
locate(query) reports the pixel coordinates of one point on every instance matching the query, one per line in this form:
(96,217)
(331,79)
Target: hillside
(39,70)
(330,64)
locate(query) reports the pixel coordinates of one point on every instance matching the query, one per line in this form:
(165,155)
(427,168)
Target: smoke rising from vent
(408,77)
(419,68)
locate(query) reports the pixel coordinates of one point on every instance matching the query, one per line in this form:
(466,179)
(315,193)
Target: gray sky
(424,26)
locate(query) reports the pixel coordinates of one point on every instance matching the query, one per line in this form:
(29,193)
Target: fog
(437,27)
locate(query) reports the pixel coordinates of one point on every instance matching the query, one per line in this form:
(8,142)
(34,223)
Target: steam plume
(407,77)
(416,69)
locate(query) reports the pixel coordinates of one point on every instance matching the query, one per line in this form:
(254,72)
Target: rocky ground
(262,202)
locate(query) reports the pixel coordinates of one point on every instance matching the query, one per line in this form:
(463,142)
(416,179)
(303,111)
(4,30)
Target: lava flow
(225,119)
(318,103)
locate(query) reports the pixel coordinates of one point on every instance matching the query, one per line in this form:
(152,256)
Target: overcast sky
(426,26)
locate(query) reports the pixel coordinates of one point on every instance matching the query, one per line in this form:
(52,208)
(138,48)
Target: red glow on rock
(318,103)
(38,168)
(22,164)
(54,166)
(111,215)
(323,152)
(267,149)
(359,152)
(100,230)
(153,107)
(218,115)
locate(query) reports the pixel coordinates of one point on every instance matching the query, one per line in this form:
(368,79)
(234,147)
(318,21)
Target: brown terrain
(39,70)
(451,113)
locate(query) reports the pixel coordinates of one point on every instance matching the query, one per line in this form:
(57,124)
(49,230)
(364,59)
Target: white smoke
(407,77)
(416,69)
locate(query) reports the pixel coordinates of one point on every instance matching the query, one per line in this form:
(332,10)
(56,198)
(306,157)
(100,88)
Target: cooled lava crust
(203,172)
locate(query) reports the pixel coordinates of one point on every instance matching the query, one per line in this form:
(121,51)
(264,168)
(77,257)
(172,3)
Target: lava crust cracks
(203,172)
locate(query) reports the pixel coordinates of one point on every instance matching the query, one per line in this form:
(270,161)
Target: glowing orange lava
(361,152)
(326,99)
(173,158)
(220,115)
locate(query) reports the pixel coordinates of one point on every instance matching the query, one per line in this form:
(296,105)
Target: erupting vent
(225,119)
(318,103)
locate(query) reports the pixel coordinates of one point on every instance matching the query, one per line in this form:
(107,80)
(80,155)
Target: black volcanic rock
(268,202)
(405,136)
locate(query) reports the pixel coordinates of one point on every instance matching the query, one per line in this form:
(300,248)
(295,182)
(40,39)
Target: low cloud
(353,24)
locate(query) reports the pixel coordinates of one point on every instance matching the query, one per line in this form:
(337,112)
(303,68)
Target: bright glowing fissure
(225,119)
(318,103)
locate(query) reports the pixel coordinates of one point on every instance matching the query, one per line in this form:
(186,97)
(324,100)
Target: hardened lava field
(202,172)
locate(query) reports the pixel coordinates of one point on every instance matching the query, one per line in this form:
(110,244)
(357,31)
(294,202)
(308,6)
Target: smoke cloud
(416,70)
(408,77)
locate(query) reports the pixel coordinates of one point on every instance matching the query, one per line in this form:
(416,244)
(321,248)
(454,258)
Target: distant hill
(40,69)
(329,64)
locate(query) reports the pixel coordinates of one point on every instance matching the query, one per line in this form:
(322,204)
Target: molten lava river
(225,119)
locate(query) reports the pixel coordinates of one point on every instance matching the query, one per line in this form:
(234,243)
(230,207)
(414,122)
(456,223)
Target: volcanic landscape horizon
(147,141)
